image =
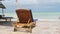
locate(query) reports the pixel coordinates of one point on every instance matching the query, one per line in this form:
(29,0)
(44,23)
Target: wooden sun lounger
(6,18)
(25,20)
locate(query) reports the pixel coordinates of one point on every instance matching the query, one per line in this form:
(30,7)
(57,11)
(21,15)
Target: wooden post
(16,4)
(3,13)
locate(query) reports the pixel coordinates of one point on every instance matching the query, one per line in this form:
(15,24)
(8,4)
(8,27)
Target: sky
(34,5)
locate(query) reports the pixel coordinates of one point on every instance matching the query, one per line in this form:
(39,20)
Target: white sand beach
(46,11)
(42,27)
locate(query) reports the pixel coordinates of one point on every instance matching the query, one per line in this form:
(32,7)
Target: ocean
(46,15)
(37,15)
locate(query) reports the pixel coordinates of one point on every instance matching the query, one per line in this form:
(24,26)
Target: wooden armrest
(28,21)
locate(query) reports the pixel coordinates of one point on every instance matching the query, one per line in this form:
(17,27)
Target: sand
(42,27)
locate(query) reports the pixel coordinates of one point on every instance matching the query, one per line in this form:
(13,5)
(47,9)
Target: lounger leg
(35,24)
(10,20)
(30,29)
(6,20)
(15,29)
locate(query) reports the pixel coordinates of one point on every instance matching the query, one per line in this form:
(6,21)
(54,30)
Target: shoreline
(48,19)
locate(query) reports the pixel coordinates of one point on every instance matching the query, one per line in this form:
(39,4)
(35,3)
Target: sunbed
(25,20)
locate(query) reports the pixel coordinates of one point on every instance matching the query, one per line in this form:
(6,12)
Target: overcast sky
(34,5)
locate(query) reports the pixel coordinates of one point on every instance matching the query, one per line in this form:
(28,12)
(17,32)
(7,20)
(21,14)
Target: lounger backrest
(24,15)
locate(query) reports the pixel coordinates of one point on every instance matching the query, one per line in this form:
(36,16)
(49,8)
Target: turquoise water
(47,15)
(38,15)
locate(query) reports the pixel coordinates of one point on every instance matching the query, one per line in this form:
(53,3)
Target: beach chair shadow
(25,20)
(4,23)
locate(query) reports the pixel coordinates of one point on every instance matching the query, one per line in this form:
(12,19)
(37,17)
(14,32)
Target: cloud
(48,1)
(27,1)
(21,2)
(35,5)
